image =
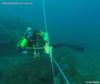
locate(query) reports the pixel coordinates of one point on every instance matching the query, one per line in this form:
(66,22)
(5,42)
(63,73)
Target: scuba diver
(37,42)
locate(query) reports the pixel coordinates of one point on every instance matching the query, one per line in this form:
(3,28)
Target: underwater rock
(38,71)
(35,71)
(8,49)
(1,75)
(68,61)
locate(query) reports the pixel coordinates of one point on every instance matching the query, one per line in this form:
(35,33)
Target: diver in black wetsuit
(38,41)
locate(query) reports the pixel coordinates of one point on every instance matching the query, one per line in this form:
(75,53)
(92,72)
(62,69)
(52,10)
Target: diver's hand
(24,52)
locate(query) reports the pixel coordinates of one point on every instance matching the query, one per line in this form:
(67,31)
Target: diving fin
(74,47)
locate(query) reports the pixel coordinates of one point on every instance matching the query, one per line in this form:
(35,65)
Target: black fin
(75,47)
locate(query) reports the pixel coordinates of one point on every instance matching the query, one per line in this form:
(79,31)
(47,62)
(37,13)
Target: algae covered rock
(35,71)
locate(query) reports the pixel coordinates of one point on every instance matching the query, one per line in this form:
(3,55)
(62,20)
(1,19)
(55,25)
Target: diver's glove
(24,52)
